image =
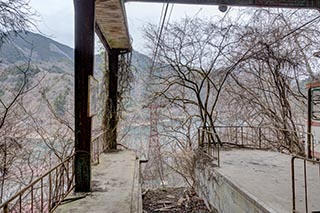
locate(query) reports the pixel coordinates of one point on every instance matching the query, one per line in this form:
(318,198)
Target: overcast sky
(56,18)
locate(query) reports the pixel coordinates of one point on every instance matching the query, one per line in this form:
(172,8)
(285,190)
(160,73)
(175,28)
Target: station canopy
(111,22)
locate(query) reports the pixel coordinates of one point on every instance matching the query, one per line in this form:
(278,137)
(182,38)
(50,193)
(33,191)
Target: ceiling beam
(102,38)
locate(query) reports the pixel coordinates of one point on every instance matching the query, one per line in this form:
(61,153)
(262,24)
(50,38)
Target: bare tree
(12,127)
(16,16)
(192,68)
(194,54)
(225,72)
(265,90)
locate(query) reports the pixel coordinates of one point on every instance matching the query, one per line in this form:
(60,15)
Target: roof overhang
(310,4)
(111,19)
(313,84)
(111,25)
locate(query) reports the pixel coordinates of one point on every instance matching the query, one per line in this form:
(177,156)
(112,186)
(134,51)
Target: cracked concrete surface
(266,176)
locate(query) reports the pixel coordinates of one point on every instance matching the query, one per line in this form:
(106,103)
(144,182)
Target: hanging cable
(169,16)
(159,36)
(160,19)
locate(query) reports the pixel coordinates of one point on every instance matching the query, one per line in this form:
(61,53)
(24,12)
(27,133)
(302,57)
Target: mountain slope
(40,48)
(51,73)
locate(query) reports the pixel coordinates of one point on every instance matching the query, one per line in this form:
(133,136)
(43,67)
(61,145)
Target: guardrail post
(305,184)
(199,139)
(218,147)
(309,121)
(293,185)
(259,135)
(242,135)
(209,142)
(236,130)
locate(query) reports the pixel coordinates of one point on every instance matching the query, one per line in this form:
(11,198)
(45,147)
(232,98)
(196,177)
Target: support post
(113,96)
(309,124)
(84,59)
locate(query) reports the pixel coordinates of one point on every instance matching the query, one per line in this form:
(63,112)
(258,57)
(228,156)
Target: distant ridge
(19,47)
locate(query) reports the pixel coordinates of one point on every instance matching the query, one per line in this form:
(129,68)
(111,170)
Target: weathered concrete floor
(266,177)
(114,186)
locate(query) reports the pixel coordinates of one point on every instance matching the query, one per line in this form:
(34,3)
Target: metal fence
(305,182)
(46,192)
(259,137)
(98,146)
(207,140)
(212,139)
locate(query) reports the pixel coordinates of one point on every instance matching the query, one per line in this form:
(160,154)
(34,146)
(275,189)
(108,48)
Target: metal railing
(305,180)
(207,139)
(98,146)
(250,137)
(260,137)
(257,138)
(46,192)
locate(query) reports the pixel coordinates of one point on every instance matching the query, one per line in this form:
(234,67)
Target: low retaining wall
(220,194)
(136,199)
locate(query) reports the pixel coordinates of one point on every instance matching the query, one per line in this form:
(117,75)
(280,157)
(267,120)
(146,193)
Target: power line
(246,54)
(288,34)
(160,19)
(169,16)
(261,49)
(159,36)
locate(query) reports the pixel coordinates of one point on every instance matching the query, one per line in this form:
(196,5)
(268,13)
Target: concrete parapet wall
(136,199)
(222,195)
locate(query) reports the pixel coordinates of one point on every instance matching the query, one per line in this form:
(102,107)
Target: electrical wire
(169,16)
(160,19)
(159,36)
(288,34)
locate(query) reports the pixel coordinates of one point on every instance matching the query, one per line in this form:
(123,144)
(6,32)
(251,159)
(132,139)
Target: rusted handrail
(298,132)
(257,137)
(305,160)
(210,146)
(205,134)
(46,192)
(98,146)
(59,181)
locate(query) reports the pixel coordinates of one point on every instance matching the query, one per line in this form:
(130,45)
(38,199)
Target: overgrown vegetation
(243,69)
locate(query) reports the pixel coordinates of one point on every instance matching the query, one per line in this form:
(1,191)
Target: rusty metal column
(113,96)
(84,59)
(309,124)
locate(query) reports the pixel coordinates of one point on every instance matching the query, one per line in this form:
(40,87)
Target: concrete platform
(258,181)
(115,186)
